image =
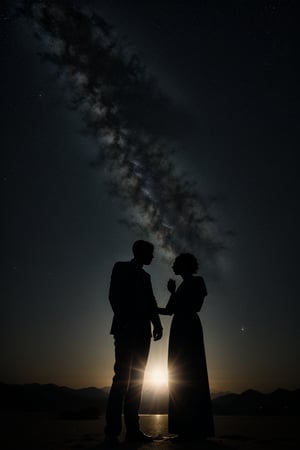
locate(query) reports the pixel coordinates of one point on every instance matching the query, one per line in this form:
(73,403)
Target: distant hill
(88,403)
(52,398)
(155,401)
(279,402)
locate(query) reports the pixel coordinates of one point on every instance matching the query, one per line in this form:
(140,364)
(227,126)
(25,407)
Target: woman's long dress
(190,410)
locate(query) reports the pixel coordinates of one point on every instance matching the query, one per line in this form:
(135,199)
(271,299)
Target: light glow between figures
(156,377)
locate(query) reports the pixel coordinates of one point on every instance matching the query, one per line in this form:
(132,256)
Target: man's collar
(136,264)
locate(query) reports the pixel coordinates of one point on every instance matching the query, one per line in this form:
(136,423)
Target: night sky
(223,109)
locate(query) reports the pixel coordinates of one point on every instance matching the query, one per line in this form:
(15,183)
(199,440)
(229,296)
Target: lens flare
(156,377)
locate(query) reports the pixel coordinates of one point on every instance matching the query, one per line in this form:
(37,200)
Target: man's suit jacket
(132,300)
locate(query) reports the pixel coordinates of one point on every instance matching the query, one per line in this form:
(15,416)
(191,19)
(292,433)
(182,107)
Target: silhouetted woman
(190,414)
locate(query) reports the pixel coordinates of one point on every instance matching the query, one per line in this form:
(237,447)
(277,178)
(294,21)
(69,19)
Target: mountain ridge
(90,402)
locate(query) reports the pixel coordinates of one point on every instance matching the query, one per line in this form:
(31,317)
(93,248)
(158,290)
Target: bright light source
(157,377)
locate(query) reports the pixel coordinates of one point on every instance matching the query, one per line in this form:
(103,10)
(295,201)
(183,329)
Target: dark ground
(37,431)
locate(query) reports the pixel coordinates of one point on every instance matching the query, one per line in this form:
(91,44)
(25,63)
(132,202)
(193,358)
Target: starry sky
(222,107)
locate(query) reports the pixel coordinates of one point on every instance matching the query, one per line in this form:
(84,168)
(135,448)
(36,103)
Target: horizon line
(163,388)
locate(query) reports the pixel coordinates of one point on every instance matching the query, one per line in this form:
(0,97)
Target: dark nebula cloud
(134,123)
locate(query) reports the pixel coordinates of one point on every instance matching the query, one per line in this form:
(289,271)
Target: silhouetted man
(135,308)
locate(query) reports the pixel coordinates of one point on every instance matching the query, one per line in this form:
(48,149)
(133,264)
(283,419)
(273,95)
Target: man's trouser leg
(141,346)
(123,358)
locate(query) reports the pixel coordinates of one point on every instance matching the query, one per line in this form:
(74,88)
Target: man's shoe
(138,436)
(112,441)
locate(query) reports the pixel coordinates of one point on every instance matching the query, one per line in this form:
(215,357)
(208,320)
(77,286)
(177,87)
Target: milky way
(123,108)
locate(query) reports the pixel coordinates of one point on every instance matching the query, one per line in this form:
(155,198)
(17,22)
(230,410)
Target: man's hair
(140,247)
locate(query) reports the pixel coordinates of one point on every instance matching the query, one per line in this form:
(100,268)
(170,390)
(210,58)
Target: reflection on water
(155,424)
